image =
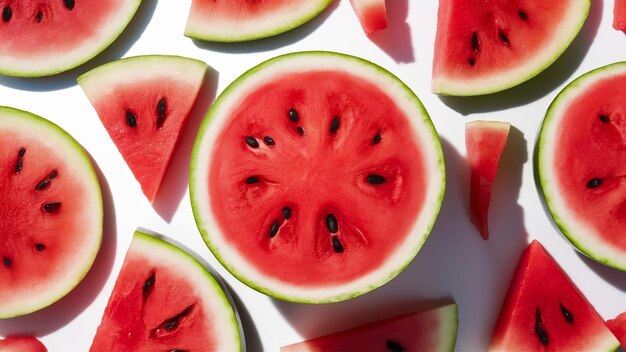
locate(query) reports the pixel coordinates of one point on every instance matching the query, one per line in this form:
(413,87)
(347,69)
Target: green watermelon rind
(269,32)
(90,173)
(426,123)
(567,226)
(449,327)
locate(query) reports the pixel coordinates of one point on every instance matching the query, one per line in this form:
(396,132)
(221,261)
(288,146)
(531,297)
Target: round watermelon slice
(165,300)
(243,20)
(40,38)
(50,213)
(581,163)
(487,46)
(316,177)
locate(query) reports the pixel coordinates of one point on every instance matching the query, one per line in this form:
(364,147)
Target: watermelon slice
(619,15)
(581,163)
(544,311)
(50,213)
(485,141)
(144,103)
(243,20)
(485,46)
(371,13)
(165,300)
(40,38)
(618,327)
(430,330)
(310,182)
(22,344)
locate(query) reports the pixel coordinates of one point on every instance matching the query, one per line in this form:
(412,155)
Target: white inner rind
(226,107)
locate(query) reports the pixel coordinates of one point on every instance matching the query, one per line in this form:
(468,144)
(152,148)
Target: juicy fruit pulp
(311,182)
(40,38)
(544,311)
(582,163)
(144,102)
(50,213)
(487,46)
(618,327)
(371,13)
(485,141)
(430,330)
(22,344)
(165,300)
(619,15)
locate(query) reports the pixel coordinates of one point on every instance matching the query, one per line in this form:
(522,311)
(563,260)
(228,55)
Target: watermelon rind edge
(90,172)
(568,227)
(427,123)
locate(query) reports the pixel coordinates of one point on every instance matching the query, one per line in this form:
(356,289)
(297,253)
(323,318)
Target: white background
(454,263)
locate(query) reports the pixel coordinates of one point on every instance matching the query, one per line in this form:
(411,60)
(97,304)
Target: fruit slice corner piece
(485,141)
(619,15)
(166,300)
(51,213)
(430,330)
(144,102)
(22,344)
(41,38)
(544,311)
(372,14)
(618,327)
(244,20)
(316,177)
(484,47)
(581,164)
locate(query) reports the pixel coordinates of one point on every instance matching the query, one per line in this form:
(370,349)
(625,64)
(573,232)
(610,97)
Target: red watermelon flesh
(618,327)
(22,344)
(485,141)
(619,15)
(430,330)
(544,311)
(164,300)
(144,103)
(371,13)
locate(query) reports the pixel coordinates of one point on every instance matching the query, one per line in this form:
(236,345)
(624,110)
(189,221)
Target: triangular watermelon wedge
(144,102)
(544,311)
(429,330)
(618,327)
(372,14)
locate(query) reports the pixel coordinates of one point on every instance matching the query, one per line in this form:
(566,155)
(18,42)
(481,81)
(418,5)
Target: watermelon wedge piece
(485,141)
(22,344)
(431,330)
(317,163)
(41,38)
(486,46)
(581,163)
(244,20)
(51,216)
(618,327)
(619,15)
(371,13)
(544,311)
(165,300)
(144,102)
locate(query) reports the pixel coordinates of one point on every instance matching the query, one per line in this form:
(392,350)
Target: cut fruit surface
(485,141)
(485,46)
(50,213)
(310,182)
(22,344)
(581,163)
(144,102)
(619,15)
(39,38)
(544,311)
(165,300)
(243,20)
(618,327)
(430,330)
(372,14)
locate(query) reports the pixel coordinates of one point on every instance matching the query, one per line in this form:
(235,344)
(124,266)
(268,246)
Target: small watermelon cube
(619,15)
(371,13)
(618,327)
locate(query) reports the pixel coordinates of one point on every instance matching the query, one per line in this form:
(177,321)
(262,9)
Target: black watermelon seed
(40,247)
(7,13)
(375,179)
(594,182)
(268,140)
(523,15)
(334,126)
(131,120)
(148,286)
(20,160)
(252,142)
(45,183)
(293,115)
(475,42)
(69,4)
(172,323)
(504,38)
(331,223)
(471,61)
(274,229)
(540,330)
(604,118)
(7,261)
(287,213)
(252,180)
(161,109)
(300,131)
(39,16)
(394,346)
(337,246)
(52,208)
(567,314)
(177,350)
(377,138)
